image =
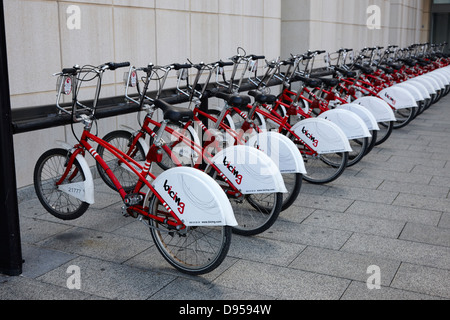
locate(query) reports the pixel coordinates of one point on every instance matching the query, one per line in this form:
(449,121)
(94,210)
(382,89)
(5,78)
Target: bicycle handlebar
(115,65)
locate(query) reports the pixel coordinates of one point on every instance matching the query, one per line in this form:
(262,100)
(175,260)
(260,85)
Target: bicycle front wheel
(324,168)
(122,140)
(48,171)
(195,250)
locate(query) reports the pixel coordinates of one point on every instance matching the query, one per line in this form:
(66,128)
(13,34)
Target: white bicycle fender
(281,150)
(363,113)
(397,97)
(378,107)
(419,86)
(251,171)
(194,197)
(322,136)
(433,82)
(426,83)
(413,90)
(444,81)
(83,191)
(352,125)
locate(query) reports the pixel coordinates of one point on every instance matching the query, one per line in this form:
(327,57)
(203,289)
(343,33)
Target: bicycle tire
(359,151)
(255,213)
(404,117)
(196,251)
(121,140)
(386,129)
(372,141)
(48,170)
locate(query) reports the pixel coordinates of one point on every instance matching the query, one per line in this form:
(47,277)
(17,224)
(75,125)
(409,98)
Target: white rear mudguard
(443,80)
(251,171)
(433,81)
(413,90)
(363,113)
(194,197)
(281,150)
(352,125)
(425,82)
(398,98)
(322,136)
(378,107)
(419,86)
(84,191)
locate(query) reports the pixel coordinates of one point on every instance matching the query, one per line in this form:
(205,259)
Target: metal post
(10,245)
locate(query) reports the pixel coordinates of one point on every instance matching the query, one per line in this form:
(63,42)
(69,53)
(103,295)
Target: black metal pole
(10,245)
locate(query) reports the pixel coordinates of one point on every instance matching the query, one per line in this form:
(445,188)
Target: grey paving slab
(344,265)
(428,280)
(264,250)
(352,193)
(426,234)
(392,212)
(283,283)
(110,280)
(323,202)
(307,235)
(401,250)
(385,175)
(185,289)
(423,202)
(415,189)
(23,288)
(360,291)
(356,223)
(38,260)
(96,244)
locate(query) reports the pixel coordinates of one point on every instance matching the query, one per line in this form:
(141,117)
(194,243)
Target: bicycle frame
(142,172)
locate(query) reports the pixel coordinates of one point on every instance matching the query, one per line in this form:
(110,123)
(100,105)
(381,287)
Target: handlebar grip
(178,66)
(224,63)
(320,51)
(114,65)
(255,57)
(71,71)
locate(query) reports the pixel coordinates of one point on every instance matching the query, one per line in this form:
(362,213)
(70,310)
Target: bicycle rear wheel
(385,132)
(255,213)
(194,251)
(324,168)
(359,147)
(48,170)
(404,117)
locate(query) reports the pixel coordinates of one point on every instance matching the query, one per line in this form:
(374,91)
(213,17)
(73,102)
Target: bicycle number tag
(182,74)
(253,66)
(64,85)
(130,78)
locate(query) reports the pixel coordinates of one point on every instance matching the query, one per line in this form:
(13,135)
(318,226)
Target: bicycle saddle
(172,113)
(233,100)
(386,70)
(366,70)
(262,98)
(347,73)
(308,81)
(394,66)
(329,82)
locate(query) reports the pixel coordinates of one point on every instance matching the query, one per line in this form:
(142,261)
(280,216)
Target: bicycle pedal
(133,199)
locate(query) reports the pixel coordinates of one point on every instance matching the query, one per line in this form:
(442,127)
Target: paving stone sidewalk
(391,211)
